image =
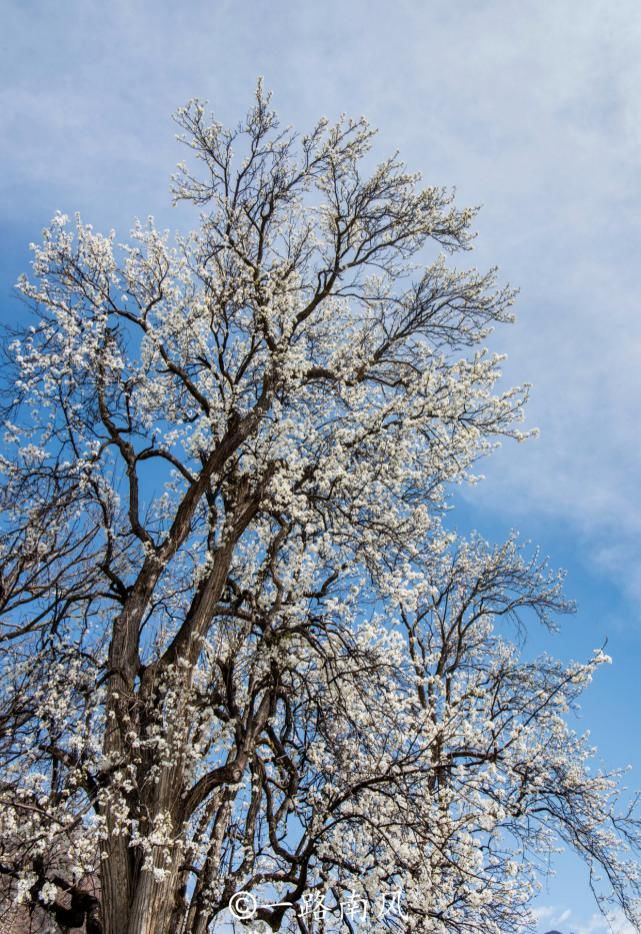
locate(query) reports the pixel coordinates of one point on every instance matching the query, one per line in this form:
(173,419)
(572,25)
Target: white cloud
(535,113)
(564,919)
(615,923)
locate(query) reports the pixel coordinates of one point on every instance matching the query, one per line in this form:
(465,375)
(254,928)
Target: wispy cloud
(537,115)
(565,920)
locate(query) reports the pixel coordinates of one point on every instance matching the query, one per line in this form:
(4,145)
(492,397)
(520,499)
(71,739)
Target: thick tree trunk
(115,885)
(137,903)
(153,904)
(134,900)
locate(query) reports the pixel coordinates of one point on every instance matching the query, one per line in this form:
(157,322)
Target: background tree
(241,651)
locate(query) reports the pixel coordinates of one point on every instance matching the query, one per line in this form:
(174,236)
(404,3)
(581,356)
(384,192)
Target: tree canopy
(247,668)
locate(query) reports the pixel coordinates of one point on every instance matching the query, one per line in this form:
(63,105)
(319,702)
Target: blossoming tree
(247,671)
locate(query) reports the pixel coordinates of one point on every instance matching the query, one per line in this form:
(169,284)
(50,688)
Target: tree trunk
(115,885)
(153,904)
(143,906)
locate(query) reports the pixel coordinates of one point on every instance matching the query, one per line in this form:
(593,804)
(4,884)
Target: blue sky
(532,109)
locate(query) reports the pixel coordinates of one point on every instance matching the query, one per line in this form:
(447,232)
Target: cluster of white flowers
(243,649)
